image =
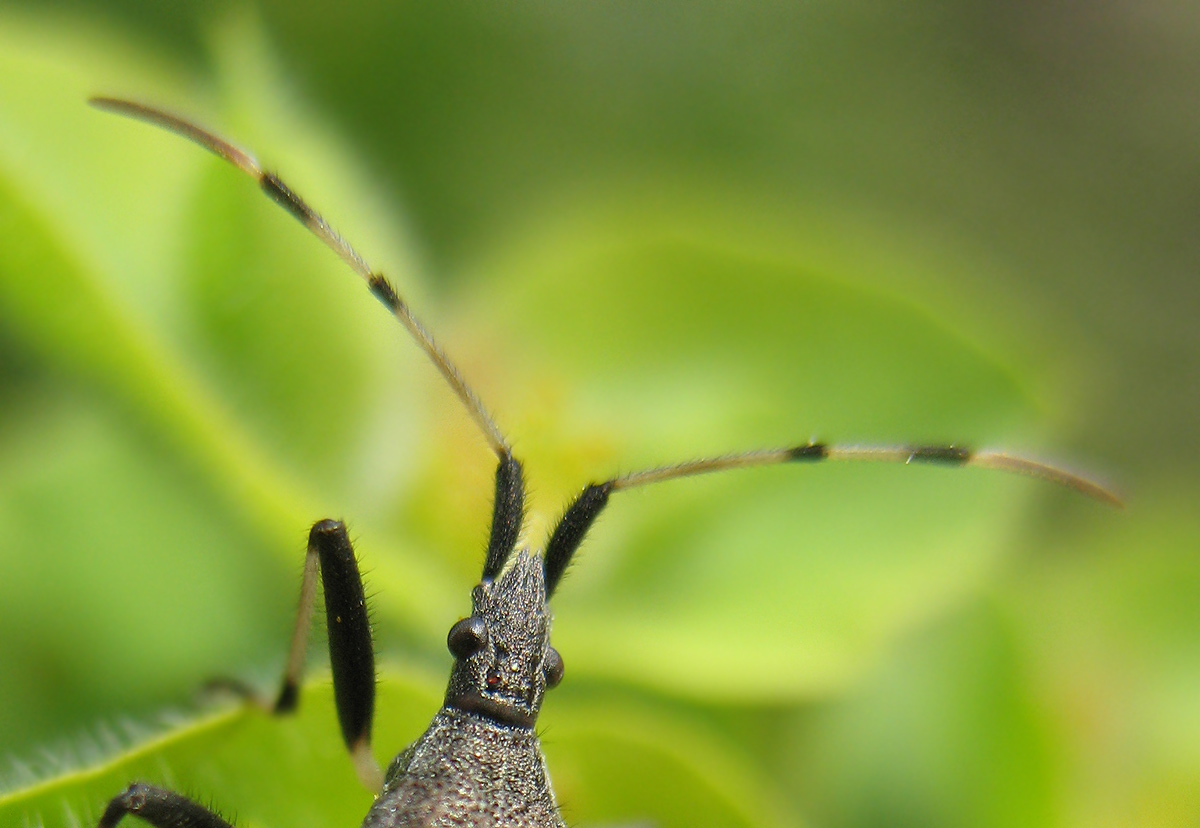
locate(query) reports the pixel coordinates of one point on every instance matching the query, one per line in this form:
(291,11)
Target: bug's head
(503,661)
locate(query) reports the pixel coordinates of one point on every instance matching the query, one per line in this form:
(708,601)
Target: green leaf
(614,763)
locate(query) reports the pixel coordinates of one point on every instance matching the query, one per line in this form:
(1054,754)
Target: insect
(480,761)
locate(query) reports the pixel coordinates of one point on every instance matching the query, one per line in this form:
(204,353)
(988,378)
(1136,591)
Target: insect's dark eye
(553,668)
(466,638)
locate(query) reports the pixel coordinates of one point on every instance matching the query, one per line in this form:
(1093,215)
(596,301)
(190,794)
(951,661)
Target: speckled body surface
(468,770)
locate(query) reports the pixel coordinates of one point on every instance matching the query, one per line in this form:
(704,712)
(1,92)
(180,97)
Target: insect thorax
(468,770)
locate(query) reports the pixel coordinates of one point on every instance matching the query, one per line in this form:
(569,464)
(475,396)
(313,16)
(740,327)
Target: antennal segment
(310,218)
(582,513)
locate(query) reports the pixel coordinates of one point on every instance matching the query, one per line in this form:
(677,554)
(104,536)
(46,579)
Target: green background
(645,232)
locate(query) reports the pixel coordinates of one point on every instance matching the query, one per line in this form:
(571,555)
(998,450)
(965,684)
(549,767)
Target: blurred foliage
(645,233)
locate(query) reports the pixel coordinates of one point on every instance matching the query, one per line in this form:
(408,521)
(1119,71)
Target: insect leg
(160,808)
(351,654)
(583,511)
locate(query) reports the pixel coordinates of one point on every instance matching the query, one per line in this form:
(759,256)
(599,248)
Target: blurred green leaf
(110,348)
(946,732)
(1112,625)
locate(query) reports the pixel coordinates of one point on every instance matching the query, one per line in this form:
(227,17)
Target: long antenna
(947,455)
(579,516)
(310,218)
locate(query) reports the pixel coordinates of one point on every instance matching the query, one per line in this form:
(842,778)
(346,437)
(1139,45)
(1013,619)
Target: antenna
(579,516)
(310,218)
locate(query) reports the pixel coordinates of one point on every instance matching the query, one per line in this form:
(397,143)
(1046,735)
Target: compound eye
(553,668)
(467,637)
